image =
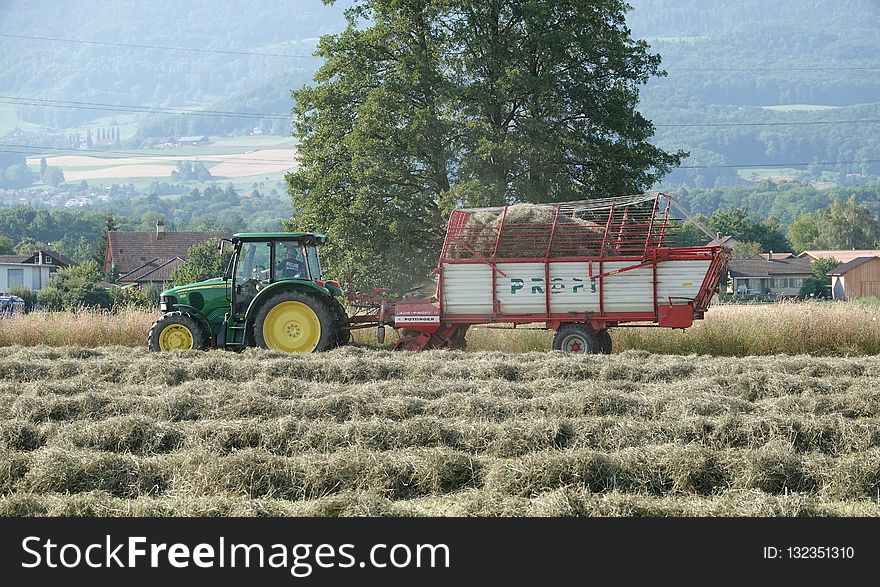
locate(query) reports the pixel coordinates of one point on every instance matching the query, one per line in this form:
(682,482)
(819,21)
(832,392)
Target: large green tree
(423,106)
(847,225)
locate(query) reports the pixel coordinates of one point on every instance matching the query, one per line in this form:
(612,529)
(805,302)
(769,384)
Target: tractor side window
(253,263)
(313,261)
(289,261)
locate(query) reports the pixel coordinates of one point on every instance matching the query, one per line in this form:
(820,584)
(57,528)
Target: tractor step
(235,335)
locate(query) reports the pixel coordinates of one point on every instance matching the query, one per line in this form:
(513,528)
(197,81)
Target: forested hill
(108,73)
(771,83)
(754,90)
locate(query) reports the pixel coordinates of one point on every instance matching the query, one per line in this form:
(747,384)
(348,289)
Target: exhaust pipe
(380,330)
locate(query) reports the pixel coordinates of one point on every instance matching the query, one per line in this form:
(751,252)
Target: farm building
(769,275)
(192,141)
(143,258)
(841,256)
(30,271)
(858,278)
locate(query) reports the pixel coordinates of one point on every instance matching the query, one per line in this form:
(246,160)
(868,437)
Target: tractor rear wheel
(294,322)
(577,338)
(605,341)
(177,331)
(343,335)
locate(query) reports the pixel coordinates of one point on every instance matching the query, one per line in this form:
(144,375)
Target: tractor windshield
(290,261)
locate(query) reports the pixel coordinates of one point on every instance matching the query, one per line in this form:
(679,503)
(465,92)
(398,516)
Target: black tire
(323,319)
(343,336)
(605,341)
(160,336)
(458,342)
(577,338)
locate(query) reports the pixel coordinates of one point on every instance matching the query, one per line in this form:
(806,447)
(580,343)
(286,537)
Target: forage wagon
(578,268)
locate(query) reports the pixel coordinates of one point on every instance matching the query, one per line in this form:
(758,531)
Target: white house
(23,276)
(30,271)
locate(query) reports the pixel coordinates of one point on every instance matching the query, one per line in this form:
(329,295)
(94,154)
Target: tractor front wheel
(577,338)
(177,331)
(294,322)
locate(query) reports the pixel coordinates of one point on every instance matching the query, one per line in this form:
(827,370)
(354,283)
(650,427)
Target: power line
(138,109)
(164,47)
(22,101)
(39,149)
(758,165)
(74,152)
(798,123)
(300,56)
(829,68)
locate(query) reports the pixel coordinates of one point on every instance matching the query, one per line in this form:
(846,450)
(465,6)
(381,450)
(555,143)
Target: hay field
(357,431)
(145,164)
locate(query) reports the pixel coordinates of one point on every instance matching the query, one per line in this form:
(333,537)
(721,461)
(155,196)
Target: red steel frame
(634,230)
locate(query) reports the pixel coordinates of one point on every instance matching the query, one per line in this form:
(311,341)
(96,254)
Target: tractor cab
(272,294)
(261,260)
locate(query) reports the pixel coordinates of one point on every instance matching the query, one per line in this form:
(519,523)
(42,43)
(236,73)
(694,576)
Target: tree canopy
(421,107)
(203,261)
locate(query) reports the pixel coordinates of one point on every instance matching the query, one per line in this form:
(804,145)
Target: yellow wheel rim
(292,327)
(176,337)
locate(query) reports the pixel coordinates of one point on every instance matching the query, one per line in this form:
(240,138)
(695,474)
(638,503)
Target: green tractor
(271,295)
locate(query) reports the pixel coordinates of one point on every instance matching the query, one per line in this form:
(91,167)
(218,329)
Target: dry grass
(816,328)
(86,328)
(359,431)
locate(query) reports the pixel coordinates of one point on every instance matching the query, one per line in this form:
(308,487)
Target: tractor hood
(207,297)
(199,285)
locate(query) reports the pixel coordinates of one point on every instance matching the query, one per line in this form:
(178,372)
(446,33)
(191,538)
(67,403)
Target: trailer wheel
(176,331)
(605,341)
(458,341)
(577,338)
(294,322)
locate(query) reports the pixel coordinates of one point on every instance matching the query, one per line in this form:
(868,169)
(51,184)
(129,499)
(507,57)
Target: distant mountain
(106,73)
(751,83)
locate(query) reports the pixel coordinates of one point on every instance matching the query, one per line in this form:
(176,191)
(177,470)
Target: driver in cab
(291,264)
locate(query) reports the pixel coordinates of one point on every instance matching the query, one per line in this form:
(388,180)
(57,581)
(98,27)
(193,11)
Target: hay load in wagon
(526,230)
(567,229)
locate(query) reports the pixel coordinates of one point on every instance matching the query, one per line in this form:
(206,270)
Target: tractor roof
(309,237)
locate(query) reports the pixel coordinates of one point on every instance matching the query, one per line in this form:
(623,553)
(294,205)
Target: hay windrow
(120,432)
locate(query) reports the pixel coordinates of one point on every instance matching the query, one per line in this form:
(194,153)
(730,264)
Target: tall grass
(816,328)
(86,327)
(730,330)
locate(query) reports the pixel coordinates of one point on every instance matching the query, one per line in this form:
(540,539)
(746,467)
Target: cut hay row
(403,474)
(290,435)
(556,503)
(355,431)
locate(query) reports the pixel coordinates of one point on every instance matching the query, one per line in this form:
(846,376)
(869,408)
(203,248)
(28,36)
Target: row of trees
(844,224)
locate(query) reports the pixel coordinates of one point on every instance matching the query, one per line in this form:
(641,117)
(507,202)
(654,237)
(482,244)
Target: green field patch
(799,107)
(9,119)
(768,172)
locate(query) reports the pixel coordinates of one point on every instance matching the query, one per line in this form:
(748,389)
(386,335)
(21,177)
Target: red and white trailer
(578,268)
